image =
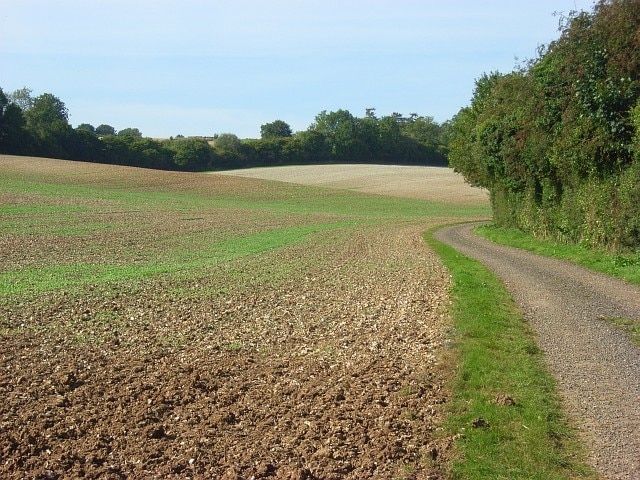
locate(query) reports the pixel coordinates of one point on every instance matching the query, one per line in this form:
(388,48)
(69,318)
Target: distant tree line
(39,126)
(557,142)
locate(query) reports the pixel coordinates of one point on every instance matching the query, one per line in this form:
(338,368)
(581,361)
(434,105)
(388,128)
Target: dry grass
(424,183)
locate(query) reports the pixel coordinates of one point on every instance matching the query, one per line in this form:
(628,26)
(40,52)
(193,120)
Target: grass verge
(505,408)
(623,266)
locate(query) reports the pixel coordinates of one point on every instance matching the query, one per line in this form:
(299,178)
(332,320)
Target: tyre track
(597,367)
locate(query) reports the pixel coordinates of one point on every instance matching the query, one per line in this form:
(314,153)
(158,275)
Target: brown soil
(330,372)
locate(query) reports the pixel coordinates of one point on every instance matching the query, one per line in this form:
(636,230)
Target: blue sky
(196,67)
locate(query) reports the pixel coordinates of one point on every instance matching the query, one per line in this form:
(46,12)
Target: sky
(196,67)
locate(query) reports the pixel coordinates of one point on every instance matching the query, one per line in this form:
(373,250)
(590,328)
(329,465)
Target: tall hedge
(557,141)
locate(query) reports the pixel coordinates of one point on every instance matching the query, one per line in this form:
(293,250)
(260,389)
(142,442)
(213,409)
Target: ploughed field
(158,324)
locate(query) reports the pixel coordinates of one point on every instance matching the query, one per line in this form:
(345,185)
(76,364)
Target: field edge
(505,414)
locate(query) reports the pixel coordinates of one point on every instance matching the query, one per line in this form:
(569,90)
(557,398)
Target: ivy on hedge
(557,141)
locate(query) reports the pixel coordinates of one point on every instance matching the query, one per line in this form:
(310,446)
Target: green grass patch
(122,196)
(504,405)
(73,276)
(310,200)
(50,226)
(249,221)
(46,220)
(281,199)
(56,210)
(623,266)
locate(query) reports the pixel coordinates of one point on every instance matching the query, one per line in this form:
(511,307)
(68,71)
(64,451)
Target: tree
(85,146)
(423,130)
(308,147)
(390,138)
(276,129)
(192,154)
(130,132)
(105,130)
(47,122)
(150,153)
(228,142)
(47,115)
(271,151)
(12,127)
(87,127)
(230,150)
(22,98)
(339,130)
(368,133)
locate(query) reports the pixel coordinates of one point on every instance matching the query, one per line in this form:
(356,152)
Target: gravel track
(597,367)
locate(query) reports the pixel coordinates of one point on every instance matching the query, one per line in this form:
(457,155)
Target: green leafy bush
(557,142)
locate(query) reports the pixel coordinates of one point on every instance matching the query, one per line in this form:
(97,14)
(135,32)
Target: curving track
(597,368)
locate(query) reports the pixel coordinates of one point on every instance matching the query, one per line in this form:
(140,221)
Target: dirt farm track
(315,359)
